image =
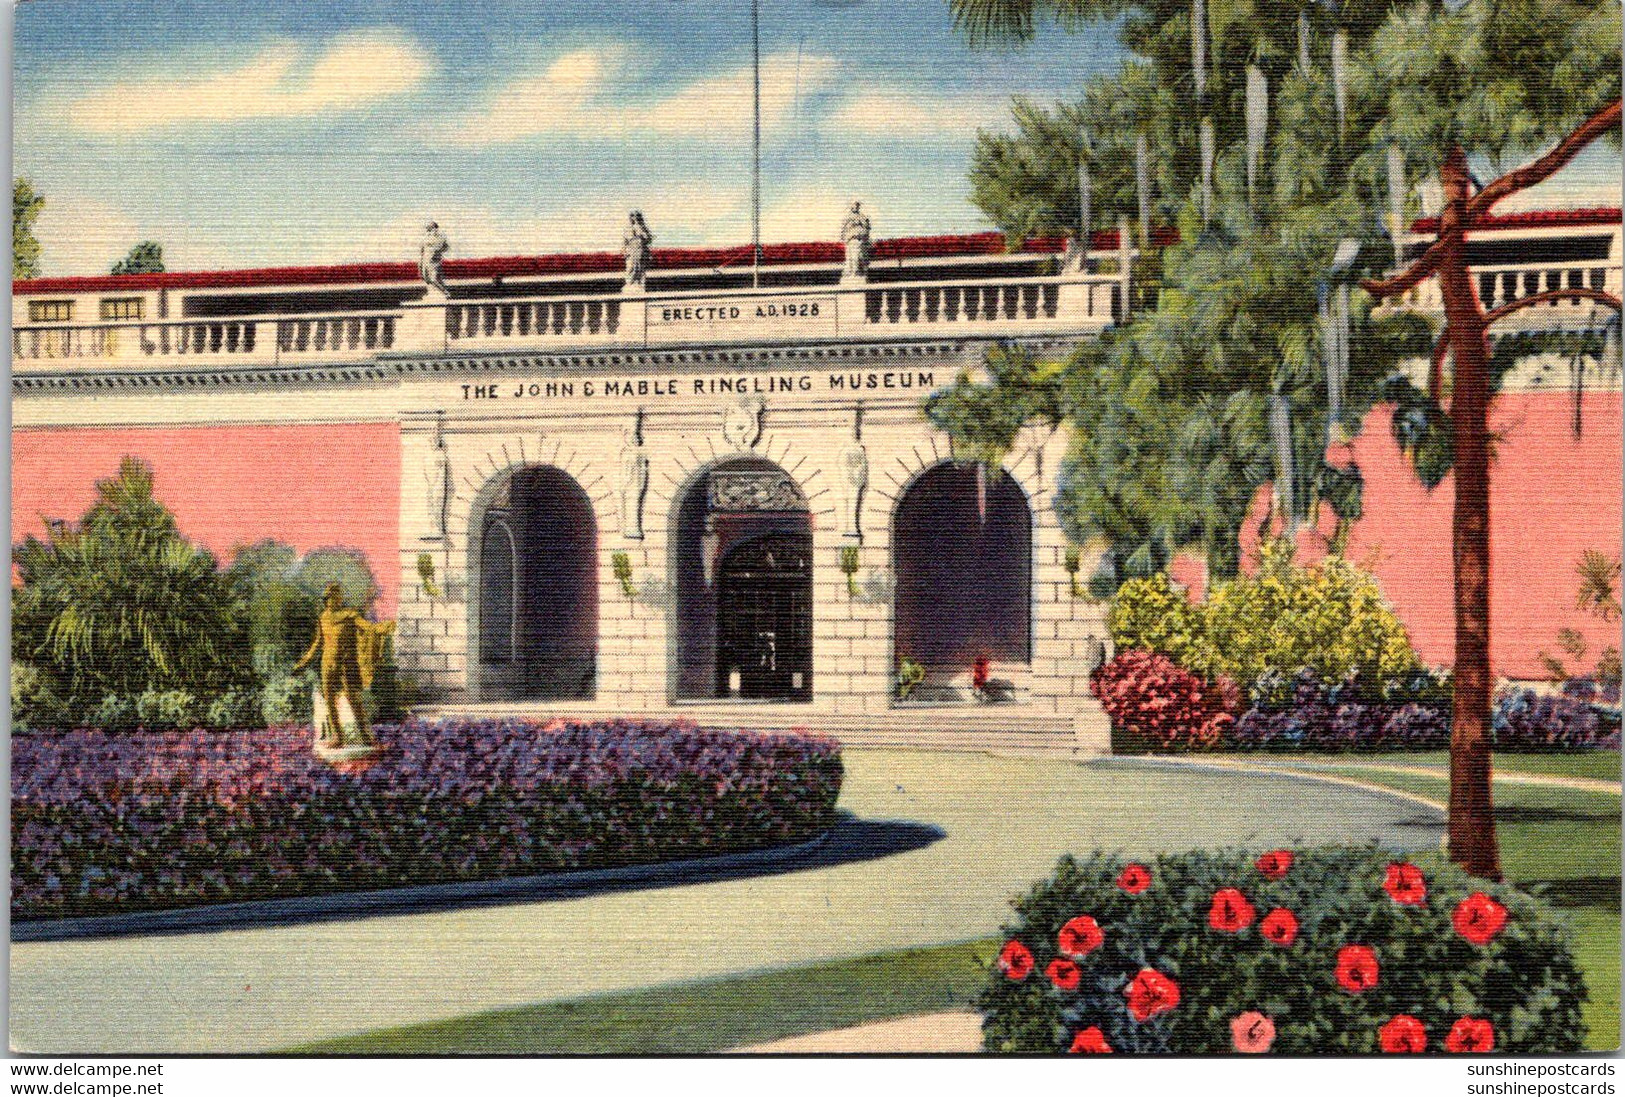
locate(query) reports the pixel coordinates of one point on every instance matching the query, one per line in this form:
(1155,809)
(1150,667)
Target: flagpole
(756,143)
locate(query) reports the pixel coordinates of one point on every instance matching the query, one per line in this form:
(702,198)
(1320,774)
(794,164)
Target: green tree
(1496,82)
(122,603)
(146,257)
(1384,94)
(26,204)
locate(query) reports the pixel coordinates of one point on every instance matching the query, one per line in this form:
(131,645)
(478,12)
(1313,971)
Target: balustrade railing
(990,308)
(1504,284)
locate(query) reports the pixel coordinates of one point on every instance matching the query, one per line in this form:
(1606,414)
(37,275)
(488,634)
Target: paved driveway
(1003,823)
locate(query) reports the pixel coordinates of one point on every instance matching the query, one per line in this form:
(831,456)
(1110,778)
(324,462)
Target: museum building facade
(664,482)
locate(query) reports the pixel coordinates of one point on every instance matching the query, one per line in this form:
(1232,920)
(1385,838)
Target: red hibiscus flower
(1279,925)
(1091,1041)
(1081,936)
(1470,1034)
(1404,1035)
(1252,1033)
(1406,884)
(1134,879)
(1064,974)
(1275,863)
(1150,993)
(1356,968)
(1016,961)
(1231,912)
(1479,918)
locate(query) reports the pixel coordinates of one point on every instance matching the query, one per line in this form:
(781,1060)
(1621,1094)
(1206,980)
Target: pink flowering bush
(111,823)
(1154,702)
(1326,951)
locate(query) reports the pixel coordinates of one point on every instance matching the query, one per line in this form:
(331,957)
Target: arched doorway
(538,590)
(962,556)
(742,558)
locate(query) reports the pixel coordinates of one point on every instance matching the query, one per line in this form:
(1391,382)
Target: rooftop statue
(430,253)
(855,235)
(635,245)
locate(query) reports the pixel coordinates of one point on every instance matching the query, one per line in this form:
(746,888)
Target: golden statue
(351,648)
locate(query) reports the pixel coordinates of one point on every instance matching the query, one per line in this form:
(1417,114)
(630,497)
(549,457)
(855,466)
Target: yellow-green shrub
(1330,617)
(1151,614)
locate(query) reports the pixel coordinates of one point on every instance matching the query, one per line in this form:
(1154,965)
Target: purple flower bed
(1341,717)
(142,821)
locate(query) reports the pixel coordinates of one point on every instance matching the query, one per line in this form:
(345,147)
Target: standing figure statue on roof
(430,253)
(635,245)
(351,647)
(855,235)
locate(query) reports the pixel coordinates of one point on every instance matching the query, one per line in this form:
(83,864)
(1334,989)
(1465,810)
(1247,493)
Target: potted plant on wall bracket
(849,568)
(622,563)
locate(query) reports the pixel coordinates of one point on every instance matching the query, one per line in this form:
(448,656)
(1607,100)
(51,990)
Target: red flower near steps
(1134,879)
(1479,918)
(1016,961)
(1275,863)
(1091,1041)
(1064,974)
(1279,925)
(1404,1035)
(1151,993)
(1356,968)
(1252,1033)
(1231,912)
(1470,1034)
(1406,884)
(1081,936)
(979,672)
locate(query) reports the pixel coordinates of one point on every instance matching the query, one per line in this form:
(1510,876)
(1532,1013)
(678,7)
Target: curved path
(1005,820)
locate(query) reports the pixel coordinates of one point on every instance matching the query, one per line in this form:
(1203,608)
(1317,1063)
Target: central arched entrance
(538,590)
(743,566)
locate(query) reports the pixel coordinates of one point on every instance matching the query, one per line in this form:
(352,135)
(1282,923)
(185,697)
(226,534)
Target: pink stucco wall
(307,486)
(1552,496)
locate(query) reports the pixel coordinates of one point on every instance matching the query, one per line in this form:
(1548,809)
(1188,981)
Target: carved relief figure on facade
(742,422)
(437,479)
(634,483)
(854,481)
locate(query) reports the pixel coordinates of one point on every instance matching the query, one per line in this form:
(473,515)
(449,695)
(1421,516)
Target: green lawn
(1560,841)
(702,1017)
(1565,844)
(1602,765)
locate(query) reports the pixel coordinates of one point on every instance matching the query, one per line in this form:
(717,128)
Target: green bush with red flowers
(1332,950)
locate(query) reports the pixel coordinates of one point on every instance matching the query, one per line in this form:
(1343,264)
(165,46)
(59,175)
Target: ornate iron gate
(764,619)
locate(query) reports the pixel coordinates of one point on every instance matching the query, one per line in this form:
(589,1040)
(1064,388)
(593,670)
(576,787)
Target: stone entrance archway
(742,563)
(537,613)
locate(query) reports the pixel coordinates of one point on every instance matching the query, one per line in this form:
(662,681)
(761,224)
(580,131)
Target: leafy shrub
(1151,614)
(286,700)
(1330,617)
(1525,720)
(1301,712)
(122,603)
(1156,703)
(1332,950)
(34,699)
(115,823)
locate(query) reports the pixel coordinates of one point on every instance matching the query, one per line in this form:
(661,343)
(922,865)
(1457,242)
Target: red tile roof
(602,262)
(1535,219)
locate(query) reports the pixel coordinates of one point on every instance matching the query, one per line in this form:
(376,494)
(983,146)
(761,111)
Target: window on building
(123,308)
(50,312)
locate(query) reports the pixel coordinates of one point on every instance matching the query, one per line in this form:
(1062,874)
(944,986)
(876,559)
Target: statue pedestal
(352,743)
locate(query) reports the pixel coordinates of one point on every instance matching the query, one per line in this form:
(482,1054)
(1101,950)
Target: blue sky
(278,132)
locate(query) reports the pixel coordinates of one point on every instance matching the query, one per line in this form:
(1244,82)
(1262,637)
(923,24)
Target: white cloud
(282,81)
(903,115)
(579,95)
